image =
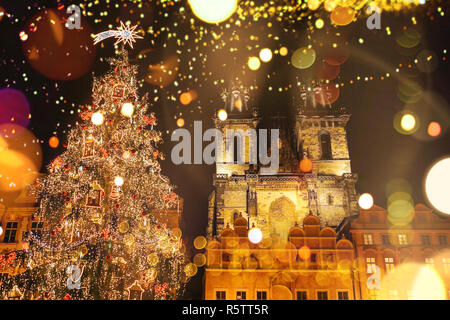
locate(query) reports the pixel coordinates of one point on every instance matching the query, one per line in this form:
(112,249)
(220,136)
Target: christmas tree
(100,239)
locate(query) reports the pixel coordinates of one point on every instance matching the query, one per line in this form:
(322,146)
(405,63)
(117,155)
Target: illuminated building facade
(313,230)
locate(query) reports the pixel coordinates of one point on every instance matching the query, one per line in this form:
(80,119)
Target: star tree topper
(124,33)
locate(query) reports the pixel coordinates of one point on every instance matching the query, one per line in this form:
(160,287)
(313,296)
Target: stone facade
(274,202)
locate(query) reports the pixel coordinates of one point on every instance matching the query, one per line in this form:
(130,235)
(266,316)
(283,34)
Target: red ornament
(117,205)
(67,297)
(108,257)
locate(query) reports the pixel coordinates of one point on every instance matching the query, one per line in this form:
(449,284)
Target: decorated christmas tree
(100,238)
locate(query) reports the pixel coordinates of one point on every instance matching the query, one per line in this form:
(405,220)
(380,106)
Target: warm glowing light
(23,36)
(303,58)
(437,184)
(200,242)
(222,115)
(127,110)
(1,230)
(434,129)
(180,122)
(428,285)
(319,23)
(126,155)
(265,55)
(408,122)
(213,11)
(185,98)
(255,235)
(118,181)
(304,253)
(283,51)
(53,142)
(97,118)
(365,201)
(254,63)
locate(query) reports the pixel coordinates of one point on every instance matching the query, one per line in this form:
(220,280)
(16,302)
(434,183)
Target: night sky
(378,152)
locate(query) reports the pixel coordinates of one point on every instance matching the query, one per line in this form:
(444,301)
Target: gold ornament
(74,255)
(124,227)
(152,259)
(128,239)
(97,217)
(190,269)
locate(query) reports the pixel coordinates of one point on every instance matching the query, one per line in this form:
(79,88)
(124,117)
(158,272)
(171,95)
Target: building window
(325,145)
(301,295)
(10,232)
(393,294)
(402,239)
(370,265)
(342,295)
(386,239)
(313,257)
(446,264)
(221,295)
(235,216)
(443,239)
(330,199)
(322,295)
(36,228)
(426,240)
(241,295)
(429,262)
(261,295)
(368,239)
(389,264)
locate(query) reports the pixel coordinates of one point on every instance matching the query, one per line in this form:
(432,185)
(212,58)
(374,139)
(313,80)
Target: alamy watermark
(374,20)
(74,20)
(233,142)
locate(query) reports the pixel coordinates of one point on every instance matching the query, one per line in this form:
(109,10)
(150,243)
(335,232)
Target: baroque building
(314,235)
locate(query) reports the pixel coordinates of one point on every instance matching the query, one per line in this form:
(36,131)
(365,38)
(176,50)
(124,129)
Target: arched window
(325,146)
(235,216)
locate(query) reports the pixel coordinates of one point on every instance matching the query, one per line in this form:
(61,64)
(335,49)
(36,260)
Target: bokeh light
(97,118)
(56,51)
(118,181)
(365,201)
(180,122)
(283,51)
(319,23)
(303,58)
(222,115)
(14,107)
(255,235)
(434,129)
(200,242)
(304,253)
(53,142)
(254,63)
(127,109)
(342,16)
(20,158)
(437,185)
(265,55)
(408,122)
(213,11)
